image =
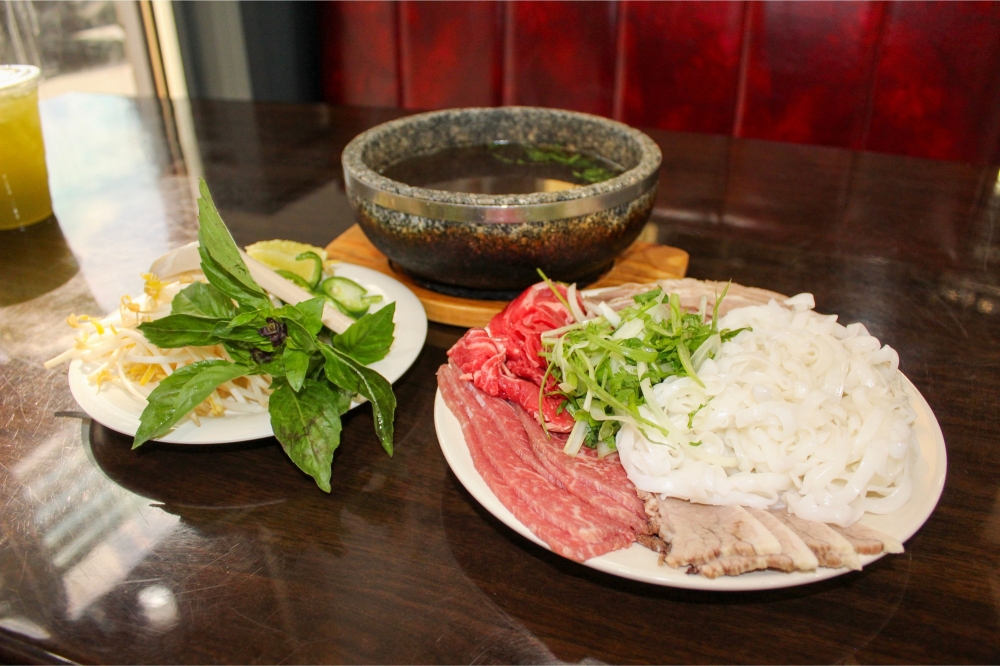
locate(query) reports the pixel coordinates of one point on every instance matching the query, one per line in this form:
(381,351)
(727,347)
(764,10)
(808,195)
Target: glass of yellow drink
(24,180)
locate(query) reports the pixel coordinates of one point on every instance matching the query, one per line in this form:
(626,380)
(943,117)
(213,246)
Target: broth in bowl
(503,168)
(472,202)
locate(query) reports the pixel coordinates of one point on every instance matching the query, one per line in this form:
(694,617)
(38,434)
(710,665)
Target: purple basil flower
(275,331)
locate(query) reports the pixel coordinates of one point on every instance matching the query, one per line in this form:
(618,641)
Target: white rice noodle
(799,412)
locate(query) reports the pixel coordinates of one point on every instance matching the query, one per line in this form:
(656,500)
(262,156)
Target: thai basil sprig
(314,376)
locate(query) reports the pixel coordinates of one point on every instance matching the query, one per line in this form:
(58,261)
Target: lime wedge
(301,259)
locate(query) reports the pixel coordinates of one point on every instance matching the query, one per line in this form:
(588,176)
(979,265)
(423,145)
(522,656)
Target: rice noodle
(114,351)
(799,412)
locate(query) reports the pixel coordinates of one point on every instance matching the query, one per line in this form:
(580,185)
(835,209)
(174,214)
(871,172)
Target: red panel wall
(450,54)
(809,68)
(679,64)
(936,87)
(360,56)
(560,54)
(917,78)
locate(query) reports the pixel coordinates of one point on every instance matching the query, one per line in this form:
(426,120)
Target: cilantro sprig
(314,374)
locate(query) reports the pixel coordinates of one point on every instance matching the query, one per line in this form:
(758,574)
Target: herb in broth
(585,168)
(502,168)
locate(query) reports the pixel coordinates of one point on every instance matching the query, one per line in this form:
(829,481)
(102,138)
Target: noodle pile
(116,353)
(800,412)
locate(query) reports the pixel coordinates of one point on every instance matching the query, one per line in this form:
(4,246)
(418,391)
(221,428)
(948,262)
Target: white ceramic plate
(117,409)
(640,563)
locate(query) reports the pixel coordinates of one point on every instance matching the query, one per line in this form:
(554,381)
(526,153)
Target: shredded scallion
(606,367)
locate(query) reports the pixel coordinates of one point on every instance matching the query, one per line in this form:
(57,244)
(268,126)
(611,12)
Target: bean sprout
(113,351)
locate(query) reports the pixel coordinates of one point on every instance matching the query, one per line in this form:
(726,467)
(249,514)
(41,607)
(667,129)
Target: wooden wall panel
(679,64)
(360,56)
(937,84)
(809,67)
(560,54)
(450,54)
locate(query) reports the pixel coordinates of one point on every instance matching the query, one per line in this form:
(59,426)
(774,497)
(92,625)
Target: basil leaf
(298,336)
(296,365)
(221,279)
(370,384)
(368,339)
(308,313)
(220,258)
(339,371)
(275,368)
(249,334)
(181,330)
(203,300)
(239,352)
(181,392)
(255,318)
(379,392)
(307,424)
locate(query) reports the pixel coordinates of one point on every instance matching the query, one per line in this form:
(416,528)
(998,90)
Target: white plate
(640,563)
(117,409)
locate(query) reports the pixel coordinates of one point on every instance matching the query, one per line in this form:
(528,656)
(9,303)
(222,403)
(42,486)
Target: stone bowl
(489,245)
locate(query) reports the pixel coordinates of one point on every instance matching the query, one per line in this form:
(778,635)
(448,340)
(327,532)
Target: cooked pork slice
(734,566)
(831,549)
(690,292)
(699,533)
(795,554)
(655,544)
(868,541)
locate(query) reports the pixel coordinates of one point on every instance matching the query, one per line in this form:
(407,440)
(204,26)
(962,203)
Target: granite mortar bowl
(488,245)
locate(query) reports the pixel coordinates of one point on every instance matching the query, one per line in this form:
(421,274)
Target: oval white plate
(640,563)
(117,409)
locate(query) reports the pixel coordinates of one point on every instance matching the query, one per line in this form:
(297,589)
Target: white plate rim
(641,564)
(114,408)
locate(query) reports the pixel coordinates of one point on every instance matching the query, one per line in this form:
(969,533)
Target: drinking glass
(24,179)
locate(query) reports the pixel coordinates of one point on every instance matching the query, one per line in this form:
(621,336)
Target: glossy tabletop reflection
(177,554)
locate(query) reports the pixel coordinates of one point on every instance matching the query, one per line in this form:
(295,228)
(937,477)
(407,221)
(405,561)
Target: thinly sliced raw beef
(503,360)
(571,527)
(520,325)
(506,446)
(602,483)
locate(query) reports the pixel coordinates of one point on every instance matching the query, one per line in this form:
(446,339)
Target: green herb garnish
(586,169)
(606,369)
(314,375)
(695,411)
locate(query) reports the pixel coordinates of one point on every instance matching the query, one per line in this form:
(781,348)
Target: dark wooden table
(228,554)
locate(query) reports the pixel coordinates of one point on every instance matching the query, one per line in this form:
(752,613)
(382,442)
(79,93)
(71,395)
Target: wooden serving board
(641,262)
